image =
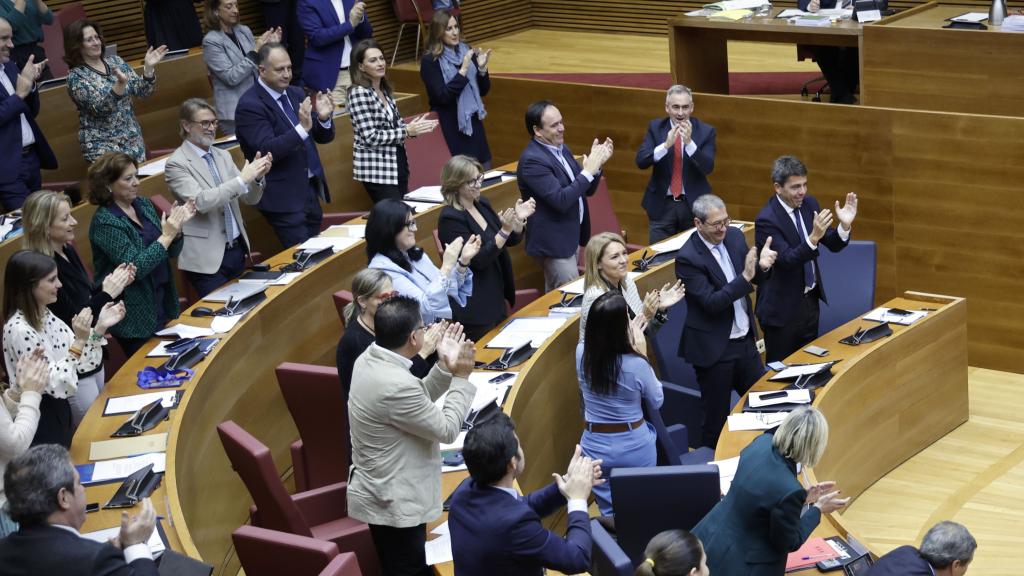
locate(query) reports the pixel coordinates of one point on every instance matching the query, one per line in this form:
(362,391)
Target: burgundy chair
(342,565)
(188,295)
(53,45)
(427,156)
(342,298)
(265,552)
(313,394)
(418,12)
(603,219)
(523,296)
(318,513)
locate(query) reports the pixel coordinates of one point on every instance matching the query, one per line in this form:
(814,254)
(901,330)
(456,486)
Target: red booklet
(813,551)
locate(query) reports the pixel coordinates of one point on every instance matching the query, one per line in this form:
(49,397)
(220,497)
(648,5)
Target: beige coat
(396,429)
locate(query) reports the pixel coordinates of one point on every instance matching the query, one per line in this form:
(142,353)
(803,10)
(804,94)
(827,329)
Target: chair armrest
(679,436)
(682,406)
(607,557)
(322,505)
(299,467)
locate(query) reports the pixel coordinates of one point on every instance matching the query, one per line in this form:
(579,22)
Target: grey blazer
(231,71)
(188,176)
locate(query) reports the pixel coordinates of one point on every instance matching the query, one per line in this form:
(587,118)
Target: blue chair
(849,279)
(682,394)
(674,440)
(650,500)
(606,558)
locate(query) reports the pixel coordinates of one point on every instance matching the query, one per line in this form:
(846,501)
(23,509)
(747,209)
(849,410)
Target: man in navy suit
(548,172)
(332,27)
(495,531)
(273,117)
(946,550)
(719,335)
(682,150)
(23,148)
(787,303)
(45,495)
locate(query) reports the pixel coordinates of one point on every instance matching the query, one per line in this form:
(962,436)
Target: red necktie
(676,185)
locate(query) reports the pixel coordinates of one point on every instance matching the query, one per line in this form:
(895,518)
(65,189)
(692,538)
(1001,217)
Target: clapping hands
(768,256)
(257,168)
(116,281)
(600,152)
(582,475)
(152,58)
(29,75)
(848,212)
(456,354)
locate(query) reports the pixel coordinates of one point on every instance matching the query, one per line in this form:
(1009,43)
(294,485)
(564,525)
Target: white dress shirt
(660,151)
(27,137)
(844,234)
(131,553)
(575,505)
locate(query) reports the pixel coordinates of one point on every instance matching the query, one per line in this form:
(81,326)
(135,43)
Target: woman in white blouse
(30,284)
(19,420)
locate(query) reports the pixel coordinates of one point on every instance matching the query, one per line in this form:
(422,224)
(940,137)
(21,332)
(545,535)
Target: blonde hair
(803,436)
(37,215)
(365,284)
(458,171)
(592,256)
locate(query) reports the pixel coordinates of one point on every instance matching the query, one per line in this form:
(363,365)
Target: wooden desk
(888,400)
(699,53)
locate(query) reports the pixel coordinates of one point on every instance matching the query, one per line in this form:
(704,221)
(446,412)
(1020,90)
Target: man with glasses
(215,239)
(719,336)
(787,302)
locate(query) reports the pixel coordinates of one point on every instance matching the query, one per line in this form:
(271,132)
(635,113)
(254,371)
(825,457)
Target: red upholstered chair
(265,552)
(342,565)
(342,298)
(53,45)
(318,513)
(313,395)
(427,155)
(418,12)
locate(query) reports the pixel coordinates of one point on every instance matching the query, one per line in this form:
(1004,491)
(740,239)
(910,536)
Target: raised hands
(257,168)
(750,264)
(830,502)
(814,6)
(848,212)
(116,281)
(355,15)
(822,222)
(636,333)
(33,371)
(420,125)
(270,35)
(652,303)
(120,82)
(152,58)
(324,105)
(525,209)
(456,354)
(306,114)
(110,314)
(582,475)
(673,134)
(470,249)
(686,131)
(509,220)
(467,60)
(136,529)
(29,75)
(818,490)
(600,152)
(170,225)
(432,336)
(768,256)
(482,58)
(671,294)
(451,255)
(81,324)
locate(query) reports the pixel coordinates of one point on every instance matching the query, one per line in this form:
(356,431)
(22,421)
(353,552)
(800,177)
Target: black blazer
(52,551)
(779,296)
(903,561)
(759,522)
(444,100)
(696,168)
(709,298)
(493,279)
(77,290)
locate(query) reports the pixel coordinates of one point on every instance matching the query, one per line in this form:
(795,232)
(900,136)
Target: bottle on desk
(996,12)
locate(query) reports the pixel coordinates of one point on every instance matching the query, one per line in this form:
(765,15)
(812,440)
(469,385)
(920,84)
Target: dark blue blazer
(494,534)
(779,296)
(709,298)
(695,168)
(326,40)
(11,109)
(903,561)
(261,125)
(554,230)
(759,522)
(51,551)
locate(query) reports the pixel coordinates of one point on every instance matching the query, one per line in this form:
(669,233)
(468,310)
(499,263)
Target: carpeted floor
(741,83)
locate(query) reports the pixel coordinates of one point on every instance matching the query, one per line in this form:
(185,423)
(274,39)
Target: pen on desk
(927,309)
(813,556)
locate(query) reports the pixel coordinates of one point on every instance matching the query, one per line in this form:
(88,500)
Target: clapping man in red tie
(682,150)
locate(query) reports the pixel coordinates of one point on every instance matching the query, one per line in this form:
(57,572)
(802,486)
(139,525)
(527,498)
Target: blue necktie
(286,104)
(741,322)
(808,266)
(230,228)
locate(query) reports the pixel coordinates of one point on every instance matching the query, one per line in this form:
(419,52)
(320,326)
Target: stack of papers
(346,231)
(155,167)
(533,330)
(130,404)
(335,243)
(811,20)
(725,5)
(121,468)
(1013,24)
(790,12)
(726,472)
(883,315)
(576,286)
(156,545)
(186,331)
(486,392)
(426,194)
(755,420)
(731,15)
(282,280)
(439,550)
(970,17)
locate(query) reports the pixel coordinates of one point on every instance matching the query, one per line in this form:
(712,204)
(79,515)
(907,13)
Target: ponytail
(671,553)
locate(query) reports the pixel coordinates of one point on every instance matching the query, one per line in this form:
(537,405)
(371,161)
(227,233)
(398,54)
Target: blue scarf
(469,102)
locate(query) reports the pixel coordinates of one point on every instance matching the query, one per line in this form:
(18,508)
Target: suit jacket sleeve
(704,157)
(414,412)
(110,562)
(320,35)
(362,104)
(790,256)
(483,80)
(112,239)
(787,528)
(700,290)
(186,188)
(645,155)
(570,555)
(545,501)
(219,62)
(322,134)
(254,124)
(539,178)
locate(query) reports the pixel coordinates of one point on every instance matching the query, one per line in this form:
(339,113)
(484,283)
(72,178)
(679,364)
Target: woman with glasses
(456,79)
(391,247)
(467,214)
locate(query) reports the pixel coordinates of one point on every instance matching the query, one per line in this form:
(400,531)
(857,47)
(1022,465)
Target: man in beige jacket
(395,479)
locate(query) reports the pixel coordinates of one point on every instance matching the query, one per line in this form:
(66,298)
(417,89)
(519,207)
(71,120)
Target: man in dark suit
(23,148)
(548,172)
(45,496)
(682,150)
(946,550)
(718,338)
(787,303)
(495,531)
(333,27)
(273,117)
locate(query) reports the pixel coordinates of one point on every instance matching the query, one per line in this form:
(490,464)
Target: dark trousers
(674,217)
(20,56)
(296,227)
(55,425)
(13,194)
(379,192)
(738,368)
(841,67)
(401,550)
(801,330)
(231,267)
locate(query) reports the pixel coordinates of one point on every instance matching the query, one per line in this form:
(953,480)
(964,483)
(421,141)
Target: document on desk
(335,243)
(486,392)
(153,168)
(970,17)
(430,194)
(755,420)
(121,447)
(156,545)
(790,12)
(346,231)
(884,315)
(439,550)
(672,244)
(817,20)
(736,4)
(186,331)
(223,324)
(801,370)
(534,330)
(576,286)
(726,472)
(130,404)
(121,468)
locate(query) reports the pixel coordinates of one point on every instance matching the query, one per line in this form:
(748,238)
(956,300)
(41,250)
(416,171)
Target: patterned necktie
(230,227)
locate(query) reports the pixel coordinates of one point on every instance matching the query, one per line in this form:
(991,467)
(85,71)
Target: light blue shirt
(425,284)
(637,382)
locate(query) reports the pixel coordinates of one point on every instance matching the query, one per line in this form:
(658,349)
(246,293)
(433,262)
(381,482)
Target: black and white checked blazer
(378,130)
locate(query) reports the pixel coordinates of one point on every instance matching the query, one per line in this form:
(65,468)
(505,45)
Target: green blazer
(115,241)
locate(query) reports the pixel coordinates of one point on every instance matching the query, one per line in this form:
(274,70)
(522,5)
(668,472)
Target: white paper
(426,194)
(799,396)
(882,315)
(701,12)
(335,243)
(237,291)
(350,230)
(576,286)
(493,174)
(790,12)
(160,350)
(441,528)
(459,468)
(222,324)
(744,421)
(153,168)
(186,331)
(971,17)
(130,404)
(869,16)
(507,177)
(737,4)
(536,330)
(419,207)
(672,244)
(120,468)
(156,545)
(282,280)
(1013,23)
(726,472)
(805,21)
(439,550)
(802,370)
(486,392)
(836,12)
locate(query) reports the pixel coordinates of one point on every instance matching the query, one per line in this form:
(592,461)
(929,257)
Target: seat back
(252,460)
(265,552)
(342,298)
(405,11)
(428,154)
(53,45)
(343,565)
(68,14)
(607,558)
(849,280)
(314,398)
(668,452)
(602,214)
(665,347)
(162,204)
(650,500)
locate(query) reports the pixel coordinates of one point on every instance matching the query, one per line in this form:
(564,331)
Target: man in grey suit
(229,50)
(215,239)
(394,484)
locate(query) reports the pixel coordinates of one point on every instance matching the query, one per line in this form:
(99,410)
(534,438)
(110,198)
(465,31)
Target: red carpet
(739,82)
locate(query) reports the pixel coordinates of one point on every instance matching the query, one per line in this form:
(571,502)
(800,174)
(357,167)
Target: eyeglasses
(719,225)
(410,224)
(479,182)
(207,124)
